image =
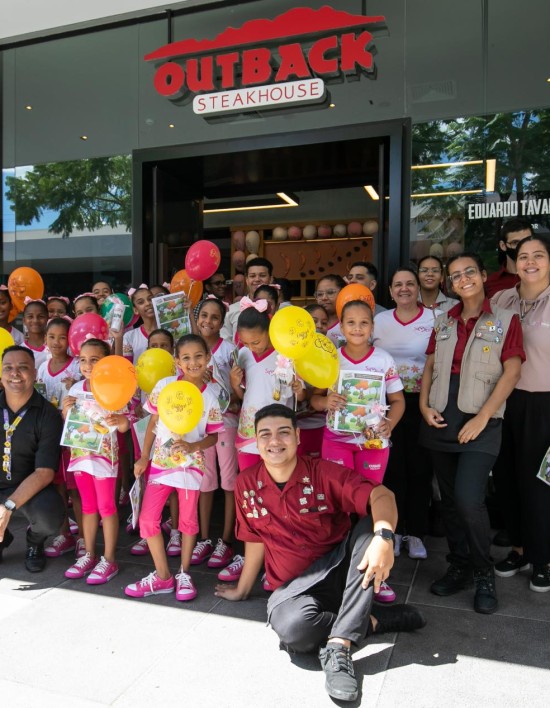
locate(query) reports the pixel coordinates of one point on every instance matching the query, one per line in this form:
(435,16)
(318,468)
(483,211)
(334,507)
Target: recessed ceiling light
(84,137)
(332,105)
(171,125)
(28,108)
(371,191)
(548,80)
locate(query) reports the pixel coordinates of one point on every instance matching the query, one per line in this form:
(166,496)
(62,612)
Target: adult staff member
(512,232)
(258,271)
(474,361)
(365,273)
(30,439)
(294,514)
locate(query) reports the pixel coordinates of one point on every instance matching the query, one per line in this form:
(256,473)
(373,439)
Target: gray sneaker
(338,667)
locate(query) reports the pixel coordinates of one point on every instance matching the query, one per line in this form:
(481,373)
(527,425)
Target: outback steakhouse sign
(267,63)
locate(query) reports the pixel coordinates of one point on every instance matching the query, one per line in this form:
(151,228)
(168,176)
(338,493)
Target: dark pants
(44,513)
(524,499)
(409,472)
(462,478)
(337,606)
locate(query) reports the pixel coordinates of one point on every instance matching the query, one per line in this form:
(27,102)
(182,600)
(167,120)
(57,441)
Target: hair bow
(166,285)
(61,317)
(4,287)
(275,285)
(131,291)
(29,300)
(260,305)
(60,297)
(84,295)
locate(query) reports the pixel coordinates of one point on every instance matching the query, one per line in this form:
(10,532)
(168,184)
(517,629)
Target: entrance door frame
(391,250)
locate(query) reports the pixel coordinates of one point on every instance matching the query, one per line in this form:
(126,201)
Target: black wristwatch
(10,505)
(386,534)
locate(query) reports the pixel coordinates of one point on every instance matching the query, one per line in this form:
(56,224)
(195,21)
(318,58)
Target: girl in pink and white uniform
(35,319)
(136,341)
(5,309)
(85,303)
(58,306)
(326,293)
(177,464)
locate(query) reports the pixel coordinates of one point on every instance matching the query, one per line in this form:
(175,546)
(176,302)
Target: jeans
(44,513)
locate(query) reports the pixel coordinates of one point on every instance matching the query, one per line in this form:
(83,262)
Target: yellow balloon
(319,366)
(6,340)
(291,331)
(152,366)
(180,406)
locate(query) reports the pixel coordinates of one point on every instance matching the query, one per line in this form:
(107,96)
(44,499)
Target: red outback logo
(257,67)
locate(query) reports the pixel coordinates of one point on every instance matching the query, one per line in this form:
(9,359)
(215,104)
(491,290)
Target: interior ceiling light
(371,191)
(445,194)
(171,125)
(447,164)
(84,137)
(332,105)
(490,175)
(28,108)
(287,200)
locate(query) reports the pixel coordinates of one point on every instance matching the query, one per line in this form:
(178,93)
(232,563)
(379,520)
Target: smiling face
(256,276)
(143,306)
(466,278)
(357,324)
(209,321)
(430,274)
(404,288)
(57,340)
(18,372)
(277,441)
(90,354)
(193,361)
(533,263)
(102,290)
(56,308)
(5,307)
(360,274)
(84,305)
(326,294)
(320,319)
(216,285)
(35,318)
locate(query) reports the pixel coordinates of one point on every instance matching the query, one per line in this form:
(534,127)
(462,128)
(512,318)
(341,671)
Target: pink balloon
(202,260)
(87,326)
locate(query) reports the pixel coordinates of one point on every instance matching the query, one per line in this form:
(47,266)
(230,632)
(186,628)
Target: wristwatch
(10,505)
(386,534)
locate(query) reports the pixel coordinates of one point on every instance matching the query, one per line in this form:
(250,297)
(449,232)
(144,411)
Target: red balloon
(202,260)
(87,326)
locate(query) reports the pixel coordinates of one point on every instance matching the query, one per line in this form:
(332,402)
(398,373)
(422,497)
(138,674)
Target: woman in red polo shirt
(474,360)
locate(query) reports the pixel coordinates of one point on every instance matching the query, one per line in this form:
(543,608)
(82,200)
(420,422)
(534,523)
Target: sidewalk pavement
(64,644)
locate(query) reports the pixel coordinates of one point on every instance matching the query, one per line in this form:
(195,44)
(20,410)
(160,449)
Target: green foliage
(86,194)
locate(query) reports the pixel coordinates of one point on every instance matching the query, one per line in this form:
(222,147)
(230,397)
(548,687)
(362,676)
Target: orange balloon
(113,382)
(181,282)
(15,310)
(355,291)
(25,282)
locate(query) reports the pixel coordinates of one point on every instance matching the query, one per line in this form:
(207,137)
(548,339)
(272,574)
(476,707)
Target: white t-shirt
(56,389)
(335,335)
(134,343)
(18,337)
(41,354)
(406,342)
(229,329)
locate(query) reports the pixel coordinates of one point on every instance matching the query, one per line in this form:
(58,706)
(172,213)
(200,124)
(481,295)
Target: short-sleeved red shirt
(513,342)
(305,520)
(501,280)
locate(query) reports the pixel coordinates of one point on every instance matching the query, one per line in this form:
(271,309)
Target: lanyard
(10,430)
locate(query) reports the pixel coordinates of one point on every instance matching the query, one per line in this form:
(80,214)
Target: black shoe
(512,564)
(485,600)
(8,538)
(397,618)
(338,667)
(502,539)
(455,579)
(540,580)
(35,560)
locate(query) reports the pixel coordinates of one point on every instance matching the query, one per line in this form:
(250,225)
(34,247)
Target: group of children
(236,377)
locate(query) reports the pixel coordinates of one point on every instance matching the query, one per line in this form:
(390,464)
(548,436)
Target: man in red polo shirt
(294,515)
(513,231)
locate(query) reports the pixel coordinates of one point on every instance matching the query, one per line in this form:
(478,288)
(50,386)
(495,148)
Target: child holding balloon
(177,439)
(5,311)
(96,476)
(35,319)
(135,341)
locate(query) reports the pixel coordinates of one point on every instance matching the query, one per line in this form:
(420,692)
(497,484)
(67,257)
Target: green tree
(86,194)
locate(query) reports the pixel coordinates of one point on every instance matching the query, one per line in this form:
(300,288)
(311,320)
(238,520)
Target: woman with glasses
(326,293)
(431,275)
(474,362)
(523,492)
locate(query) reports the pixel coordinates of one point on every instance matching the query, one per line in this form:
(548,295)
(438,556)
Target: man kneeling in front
(294,515)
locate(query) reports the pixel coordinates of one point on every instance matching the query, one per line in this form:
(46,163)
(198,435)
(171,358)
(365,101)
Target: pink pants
(154,499)
(311,441)
(97,494)
(247,460)
(368,463)
(226,453)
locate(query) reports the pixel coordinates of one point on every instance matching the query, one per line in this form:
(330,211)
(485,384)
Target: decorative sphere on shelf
(279,233)
(340,230)
(453,249)
(294,233)
(324,231)
(251,256)
(252,241)
(370,227)
(436,249)
(238,240)
(309,232)
(355,228)
(238,261)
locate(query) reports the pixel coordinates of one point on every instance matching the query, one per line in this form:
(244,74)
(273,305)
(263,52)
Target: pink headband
(29,300)
(85,295)
(4,287)
(61,317)
(214,297)
(275,285)
(246,302)
(134,290)
(166,285)
(60,297)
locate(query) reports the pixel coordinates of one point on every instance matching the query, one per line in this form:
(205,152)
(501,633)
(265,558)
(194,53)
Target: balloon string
(295,394)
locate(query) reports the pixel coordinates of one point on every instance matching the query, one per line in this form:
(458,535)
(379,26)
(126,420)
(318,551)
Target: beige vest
(481,367)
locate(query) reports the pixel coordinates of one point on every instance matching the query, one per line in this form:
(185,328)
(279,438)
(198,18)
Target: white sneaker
(185,588)
(417,550)
(174,544)
(397,547)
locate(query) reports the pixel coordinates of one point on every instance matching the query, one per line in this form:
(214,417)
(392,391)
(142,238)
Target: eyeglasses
(329,293)
(470,273)
(435,271)
(514,243)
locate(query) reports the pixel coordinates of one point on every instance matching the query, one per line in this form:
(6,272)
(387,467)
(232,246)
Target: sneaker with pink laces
(80,549)
(174,544)
(64,543)
(82,567)
(385,594)
(166,526)
(223,553)
(232,573)
(140,548)
(103,572)
(185,588)
(150,585)
(202,551)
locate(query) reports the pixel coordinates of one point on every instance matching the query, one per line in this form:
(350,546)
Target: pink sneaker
(185,588)
(80,549)
(233,571)
(266,584)
(82,567)
(130,529)
(73,526)
(202,551)
(103,572)
(166,526)
(222,555)
(174,544)
(140,548)
(385,594)
(64,543)
(150,585)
